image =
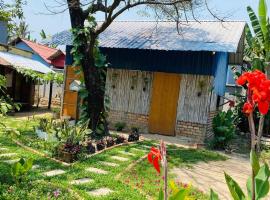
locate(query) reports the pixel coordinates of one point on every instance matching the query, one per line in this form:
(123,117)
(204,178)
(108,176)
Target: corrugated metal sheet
(193,36)
(23,62)
(3,32)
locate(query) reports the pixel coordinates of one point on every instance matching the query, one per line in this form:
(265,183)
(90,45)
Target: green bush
(223,128)
(119,126)
(19,170)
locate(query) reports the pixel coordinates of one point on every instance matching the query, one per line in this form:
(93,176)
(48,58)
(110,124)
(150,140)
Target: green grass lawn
(133,184)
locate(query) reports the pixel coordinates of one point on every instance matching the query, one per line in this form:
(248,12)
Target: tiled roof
(193,36)
(44,51)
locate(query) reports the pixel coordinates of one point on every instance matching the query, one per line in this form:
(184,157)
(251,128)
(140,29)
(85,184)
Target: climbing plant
(101,65)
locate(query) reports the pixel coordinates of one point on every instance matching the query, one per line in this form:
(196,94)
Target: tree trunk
(94,77)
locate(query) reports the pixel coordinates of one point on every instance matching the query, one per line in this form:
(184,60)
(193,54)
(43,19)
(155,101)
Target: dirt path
(211,175)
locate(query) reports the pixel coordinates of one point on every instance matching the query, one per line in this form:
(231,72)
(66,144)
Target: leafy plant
(257,183)
(120,139)
(223,128)
(109,141)
(20,169)
(119,126)
(100,145)
(90,147)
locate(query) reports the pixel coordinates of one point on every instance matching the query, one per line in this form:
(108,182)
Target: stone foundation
(209,130)
(131,120)
(195,131)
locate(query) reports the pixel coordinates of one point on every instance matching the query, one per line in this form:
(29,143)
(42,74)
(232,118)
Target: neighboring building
(51,57)
(161,81)
(21,89)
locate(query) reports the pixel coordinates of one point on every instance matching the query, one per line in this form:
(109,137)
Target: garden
(34,166)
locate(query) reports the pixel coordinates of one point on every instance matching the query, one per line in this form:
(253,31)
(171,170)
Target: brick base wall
(131,120)
(195,131)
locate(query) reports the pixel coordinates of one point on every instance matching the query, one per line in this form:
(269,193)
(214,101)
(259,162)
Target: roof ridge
(40,44)
(198,21)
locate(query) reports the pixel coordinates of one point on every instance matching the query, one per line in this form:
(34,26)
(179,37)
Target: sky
(38,17)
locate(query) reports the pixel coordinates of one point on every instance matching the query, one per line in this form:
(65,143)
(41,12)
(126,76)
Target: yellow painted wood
(163,108)
(70,98)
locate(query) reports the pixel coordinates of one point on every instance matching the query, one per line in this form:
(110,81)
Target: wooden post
(50,95)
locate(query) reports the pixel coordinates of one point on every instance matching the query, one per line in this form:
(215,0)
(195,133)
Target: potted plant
(109,141)
(120,139)
(134,136)
(68,152)
(100,145)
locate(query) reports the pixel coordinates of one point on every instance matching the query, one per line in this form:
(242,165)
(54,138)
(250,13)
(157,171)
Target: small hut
(162,81)
(20,88)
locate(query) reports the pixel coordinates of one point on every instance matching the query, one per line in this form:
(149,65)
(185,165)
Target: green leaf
(213,195)
(254,162)
(261,182)
(263,16)
(255,25)
(180,195)
(161,194)
(234,188)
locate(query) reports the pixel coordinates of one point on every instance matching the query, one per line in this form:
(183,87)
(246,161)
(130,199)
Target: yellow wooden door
(164,101)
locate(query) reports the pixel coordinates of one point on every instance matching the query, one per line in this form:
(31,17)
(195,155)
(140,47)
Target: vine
(100,64)
(57,78)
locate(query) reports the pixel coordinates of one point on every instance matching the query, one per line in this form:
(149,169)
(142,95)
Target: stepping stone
(11,161)
(100,192)
(54,172)
(110,164)
(127,153)
(3,149)
(8,154)
(139,149)
(119,158)
(81,181)
(35,166)
(96,170)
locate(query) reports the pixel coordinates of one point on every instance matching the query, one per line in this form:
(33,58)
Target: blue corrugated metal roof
(23,62)
(193,36)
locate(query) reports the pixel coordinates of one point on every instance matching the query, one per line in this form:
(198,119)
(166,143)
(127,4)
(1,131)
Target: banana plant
(258,47)
(257,184)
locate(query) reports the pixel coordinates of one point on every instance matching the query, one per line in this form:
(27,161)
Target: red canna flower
(154,157)
(247,108)
(258,91)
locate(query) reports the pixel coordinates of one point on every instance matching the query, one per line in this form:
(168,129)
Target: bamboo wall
(129,91)
(194,98)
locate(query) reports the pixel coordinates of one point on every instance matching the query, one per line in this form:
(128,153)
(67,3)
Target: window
(230,74)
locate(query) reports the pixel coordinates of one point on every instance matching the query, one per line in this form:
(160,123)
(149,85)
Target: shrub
(223,128)
(90,147)
(109,141)
(100,145)
(119,126)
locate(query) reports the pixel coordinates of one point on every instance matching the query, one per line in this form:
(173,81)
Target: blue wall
(182,62)
(23,46)
(221,69)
